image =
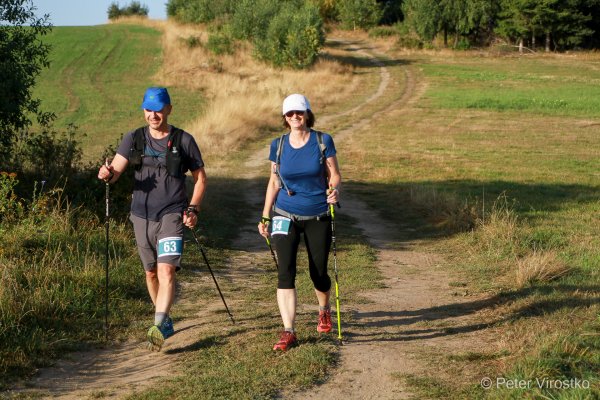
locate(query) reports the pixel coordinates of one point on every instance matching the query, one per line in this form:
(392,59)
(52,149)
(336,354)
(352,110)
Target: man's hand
(190,217)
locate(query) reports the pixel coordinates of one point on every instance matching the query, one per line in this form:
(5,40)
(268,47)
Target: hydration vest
(174,156)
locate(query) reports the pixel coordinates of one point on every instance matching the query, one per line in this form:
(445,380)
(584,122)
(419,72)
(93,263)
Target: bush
(48,155)
(327,9)
(383,31)
(192,41)
(251,18)
(220,43)
(359,14)
(199,11)
(293,38)
(11,207)
(134,8)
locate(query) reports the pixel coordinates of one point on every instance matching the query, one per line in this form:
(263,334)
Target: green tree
(563,23)
(293,38)
(363,14)
(22,57)
(134,8)
(458,17)
(251,18)
(199,11)
(515,20)
(424,17)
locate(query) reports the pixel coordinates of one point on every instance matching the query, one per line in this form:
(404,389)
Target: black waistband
(300,217)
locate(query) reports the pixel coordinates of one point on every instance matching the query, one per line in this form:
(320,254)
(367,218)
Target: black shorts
(317,238)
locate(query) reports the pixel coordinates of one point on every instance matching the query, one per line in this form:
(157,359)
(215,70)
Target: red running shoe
(324,325)
(286,341)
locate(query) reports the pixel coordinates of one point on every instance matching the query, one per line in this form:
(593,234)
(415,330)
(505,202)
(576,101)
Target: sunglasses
(290,114)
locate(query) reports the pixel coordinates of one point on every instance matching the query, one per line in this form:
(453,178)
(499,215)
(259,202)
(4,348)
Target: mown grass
(97,78)
(540,85)
(508,193)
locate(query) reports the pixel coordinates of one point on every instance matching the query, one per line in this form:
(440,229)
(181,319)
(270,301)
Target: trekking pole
(337,291)
(106,225)
(213,275)
(272,252)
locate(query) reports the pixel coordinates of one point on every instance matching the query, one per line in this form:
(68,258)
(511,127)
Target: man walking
(161,155)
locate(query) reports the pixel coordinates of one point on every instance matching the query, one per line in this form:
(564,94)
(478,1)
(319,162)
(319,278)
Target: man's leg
(166,288)
(152,284)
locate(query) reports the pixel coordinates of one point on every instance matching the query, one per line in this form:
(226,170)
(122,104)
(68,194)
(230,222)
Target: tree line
(554,25)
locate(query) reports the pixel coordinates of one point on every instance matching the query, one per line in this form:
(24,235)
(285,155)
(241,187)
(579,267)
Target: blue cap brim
(153,106)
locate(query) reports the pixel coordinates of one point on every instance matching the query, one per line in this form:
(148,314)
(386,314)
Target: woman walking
(304,180)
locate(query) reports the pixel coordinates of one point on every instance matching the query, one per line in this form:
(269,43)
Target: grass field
(499,161)
(97,78)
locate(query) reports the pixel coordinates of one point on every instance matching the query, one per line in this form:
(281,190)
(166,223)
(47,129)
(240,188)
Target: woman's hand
(333,195)
(263,227)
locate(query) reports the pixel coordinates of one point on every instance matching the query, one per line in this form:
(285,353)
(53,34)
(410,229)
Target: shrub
(327,9)
(293,38)
(220,43)
(192,41)
(134,8)
(47,154)
(199,11)
(11,208)
(383,31)
(251,18)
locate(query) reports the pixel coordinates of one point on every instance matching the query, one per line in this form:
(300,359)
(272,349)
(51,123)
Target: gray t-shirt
(155,192)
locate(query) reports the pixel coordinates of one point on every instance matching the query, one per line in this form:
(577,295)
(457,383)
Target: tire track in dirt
(367,358)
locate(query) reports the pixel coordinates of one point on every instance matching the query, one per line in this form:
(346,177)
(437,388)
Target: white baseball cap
(295,102)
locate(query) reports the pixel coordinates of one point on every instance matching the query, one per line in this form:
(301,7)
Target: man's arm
(112,172)
(199,176)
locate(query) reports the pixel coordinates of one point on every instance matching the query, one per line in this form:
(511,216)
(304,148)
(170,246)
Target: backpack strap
(136,153)
(322,146)
(175,155)
(278,163)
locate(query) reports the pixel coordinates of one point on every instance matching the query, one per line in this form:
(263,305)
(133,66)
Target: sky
(90,12)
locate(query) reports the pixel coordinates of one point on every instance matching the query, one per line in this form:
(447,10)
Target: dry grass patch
(446,210)
(244,95)
(539,266)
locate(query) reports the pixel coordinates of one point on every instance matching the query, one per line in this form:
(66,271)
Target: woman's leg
(286,246)
(286,300)
(317,237)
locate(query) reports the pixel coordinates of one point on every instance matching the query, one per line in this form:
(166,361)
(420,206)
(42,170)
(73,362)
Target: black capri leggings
(317,238)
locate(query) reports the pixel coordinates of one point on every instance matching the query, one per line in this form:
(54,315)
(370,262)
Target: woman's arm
(272,192)
(334,180)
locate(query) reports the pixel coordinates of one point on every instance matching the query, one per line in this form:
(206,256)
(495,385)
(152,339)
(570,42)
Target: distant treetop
(134,8)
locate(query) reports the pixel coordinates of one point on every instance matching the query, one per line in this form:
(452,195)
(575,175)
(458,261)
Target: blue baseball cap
(156,98)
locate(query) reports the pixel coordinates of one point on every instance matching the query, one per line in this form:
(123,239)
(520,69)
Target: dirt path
(385,341)
(381,344)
